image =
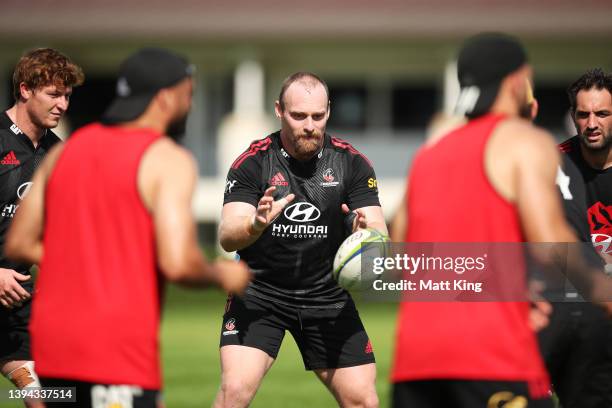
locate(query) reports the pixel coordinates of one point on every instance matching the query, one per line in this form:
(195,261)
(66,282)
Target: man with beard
(108,212)
(42,85)
(290,200)
(576,345)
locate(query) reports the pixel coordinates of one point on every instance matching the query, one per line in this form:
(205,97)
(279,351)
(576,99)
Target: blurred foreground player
(284,211)
(576,345)
(42,85)
(497,174)
(109,211)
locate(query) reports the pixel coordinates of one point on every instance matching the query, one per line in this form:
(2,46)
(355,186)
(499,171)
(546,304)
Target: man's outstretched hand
(268,209)
(359,221)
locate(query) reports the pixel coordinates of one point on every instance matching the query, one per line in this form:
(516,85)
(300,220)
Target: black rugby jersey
(573,192)
(292,259)
(598,185)
(18,161)
(573,195)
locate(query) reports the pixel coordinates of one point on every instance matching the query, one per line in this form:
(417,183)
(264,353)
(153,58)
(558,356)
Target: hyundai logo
(23,189)
(302,212)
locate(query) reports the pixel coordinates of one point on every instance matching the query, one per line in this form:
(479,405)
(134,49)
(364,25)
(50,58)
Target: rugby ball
(353,252)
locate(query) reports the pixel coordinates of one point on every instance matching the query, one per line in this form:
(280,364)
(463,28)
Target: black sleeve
(362,190)
(243,182)
(573,194)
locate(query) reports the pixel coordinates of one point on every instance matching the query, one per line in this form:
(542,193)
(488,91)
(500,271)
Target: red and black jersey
(573,192)
(598,184)
(573,196)
(292,260)
(18,161)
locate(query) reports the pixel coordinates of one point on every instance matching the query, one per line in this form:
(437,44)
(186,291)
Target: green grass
(190,339)
(191,362)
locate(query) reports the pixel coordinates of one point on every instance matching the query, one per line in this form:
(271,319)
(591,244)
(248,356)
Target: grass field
(190,338)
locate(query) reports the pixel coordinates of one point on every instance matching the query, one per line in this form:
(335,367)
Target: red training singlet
(450,199)
(96,312)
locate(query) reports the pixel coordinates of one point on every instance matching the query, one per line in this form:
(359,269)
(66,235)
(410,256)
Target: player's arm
(537,196)
(544,222)
(246,211)
(24,239)
(242,223)
(367,217)
(167,179)
(531,177)
(362,197)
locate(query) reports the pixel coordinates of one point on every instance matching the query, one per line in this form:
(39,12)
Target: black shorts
(465,393)
(577,349)
(90,395)
(14,335)
(327,338)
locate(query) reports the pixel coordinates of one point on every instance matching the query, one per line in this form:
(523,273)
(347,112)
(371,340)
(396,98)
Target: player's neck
(19,116)
(597,159)
(146,121)
(504,105)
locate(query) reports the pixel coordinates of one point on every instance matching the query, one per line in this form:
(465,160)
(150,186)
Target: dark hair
(46,66)
(300,77)
(594,78)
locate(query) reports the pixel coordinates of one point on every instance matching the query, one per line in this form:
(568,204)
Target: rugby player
(492,180)
(110,218)
(576,344)
(43,81)
(285,212)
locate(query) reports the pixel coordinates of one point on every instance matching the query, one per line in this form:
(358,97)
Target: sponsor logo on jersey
(15,129)
(328,179)
(115,396)
(229,184)
(230,326)
(278,180)
(372,183)
(10,159)
(301,213)
(506,399)
(368,348)
(600,221)
(8,211)
(299,231)
(24,189)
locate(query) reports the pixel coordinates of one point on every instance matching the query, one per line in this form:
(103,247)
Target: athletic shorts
(90,395)
(327,338)
(14,335)
(465,394)
(577,349)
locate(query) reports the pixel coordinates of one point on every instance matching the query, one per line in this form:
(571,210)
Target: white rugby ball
(347,263)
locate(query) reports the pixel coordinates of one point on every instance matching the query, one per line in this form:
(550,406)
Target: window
(348,104)
(553,106)
(413,106)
